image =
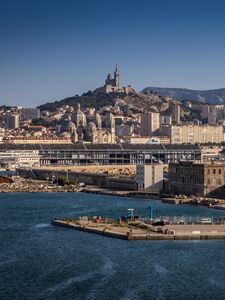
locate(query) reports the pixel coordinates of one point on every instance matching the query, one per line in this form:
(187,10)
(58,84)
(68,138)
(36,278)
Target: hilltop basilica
(90,126)
(112,84)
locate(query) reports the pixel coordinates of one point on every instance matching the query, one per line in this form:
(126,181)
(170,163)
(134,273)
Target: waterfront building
(149,177)
(121,154)
(199,179)
(63,154)
(17,158)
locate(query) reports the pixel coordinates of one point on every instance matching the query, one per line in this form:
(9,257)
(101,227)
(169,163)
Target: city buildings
(126,117)
(13,121)
(28,113)
(150,122)
(176,113)
(12,157)
(184,134)
(38,141)
(210,113)
(66,154)
(165,120)
(199,179)
(149,177)
(147,140)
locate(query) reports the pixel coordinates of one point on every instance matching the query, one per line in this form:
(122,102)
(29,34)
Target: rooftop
(93,147)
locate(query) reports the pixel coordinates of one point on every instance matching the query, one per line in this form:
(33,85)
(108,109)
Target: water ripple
(70,281)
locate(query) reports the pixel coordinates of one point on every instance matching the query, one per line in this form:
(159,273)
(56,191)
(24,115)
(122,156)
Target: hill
(89,99)
(129,104)
(216,96)
(135,101)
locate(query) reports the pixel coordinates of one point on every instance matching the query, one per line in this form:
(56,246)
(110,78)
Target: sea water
(42,261)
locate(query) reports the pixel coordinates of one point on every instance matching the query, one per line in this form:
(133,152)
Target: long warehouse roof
(98,147)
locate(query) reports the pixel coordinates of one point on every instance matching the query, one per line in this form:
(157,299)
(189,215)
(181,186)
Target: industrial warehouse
(29,155)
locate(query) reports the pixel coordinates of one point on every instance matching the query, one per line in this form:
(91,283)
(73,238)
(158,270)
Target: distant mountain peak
(214,96)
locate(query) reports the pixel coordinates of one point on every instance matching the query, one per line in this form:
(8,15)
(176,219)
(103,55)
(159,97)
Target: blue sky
(51,49)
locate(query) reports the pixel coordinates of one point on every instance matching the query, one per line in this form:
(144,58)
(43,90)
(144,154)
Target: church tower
(117,77)
(112,128)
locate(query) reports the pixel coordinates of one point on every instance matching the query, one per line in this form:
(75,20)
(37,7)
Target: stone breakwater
(146,232)
(37,188)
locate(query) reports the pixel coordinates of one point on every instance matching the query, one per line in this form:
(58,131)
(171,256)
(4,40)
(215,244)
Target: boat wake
(70,281)
(105,275)
(41,225)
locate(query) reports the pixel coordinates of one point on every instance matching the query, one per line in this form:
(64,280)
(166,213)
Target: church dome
(68,126)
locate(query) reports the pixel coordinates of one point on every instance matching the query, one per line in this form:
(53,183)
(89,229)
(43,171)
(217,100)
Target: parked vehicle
(206,221)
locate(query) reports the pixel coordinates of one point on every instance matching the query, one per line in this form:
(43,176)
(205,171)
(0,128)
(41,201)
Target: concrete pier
(148,232)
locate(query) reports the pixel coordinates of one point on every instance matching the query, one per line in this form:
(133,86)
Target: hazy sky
(51,49)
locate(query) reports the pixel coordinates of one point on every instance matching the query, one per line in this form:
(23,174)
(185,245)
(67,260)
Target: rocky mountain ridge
(215,96)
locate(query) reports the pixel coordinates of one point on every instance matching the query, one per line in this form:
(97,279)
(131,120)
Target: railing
(186,220)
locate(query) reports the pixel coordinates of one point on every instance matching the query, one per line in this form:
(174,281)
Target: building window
(208,181)
(208,171)
(214,171)
(220,171)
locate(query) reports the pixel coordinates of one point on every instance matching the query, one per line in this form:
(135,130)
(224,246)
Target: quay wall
(145,236)
(101,180)
(91,230)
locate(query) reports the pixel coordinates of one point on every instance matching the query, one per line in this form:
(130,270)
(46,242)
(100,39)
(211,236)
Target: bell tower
(117,77)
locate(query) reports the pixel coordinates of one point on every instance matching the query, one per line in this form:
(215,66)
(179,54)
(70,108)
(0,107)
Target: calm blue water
(41,261)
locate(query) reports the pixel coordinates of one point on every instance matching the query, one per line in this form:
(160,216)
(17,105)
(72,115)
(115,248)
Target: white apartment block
(149,177)
(191,134)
